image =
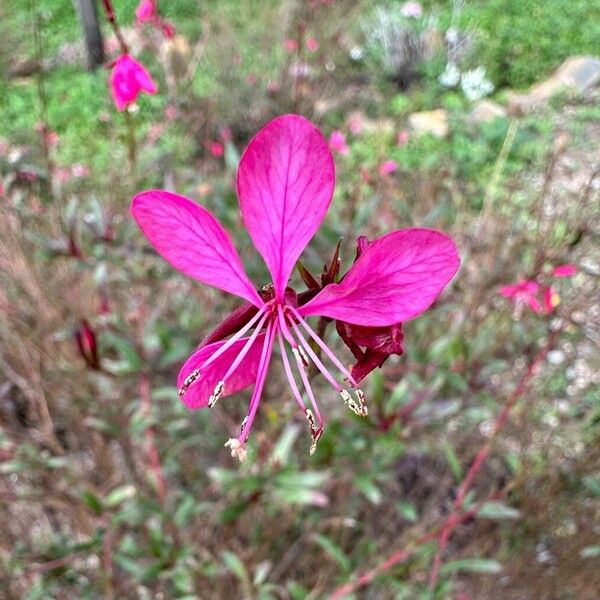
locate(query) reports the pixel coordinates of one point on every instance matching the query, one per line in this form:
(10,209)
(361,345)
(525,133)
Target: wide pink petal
(193,241)
(285,184)
(144,80)
(198,394)
(396,277)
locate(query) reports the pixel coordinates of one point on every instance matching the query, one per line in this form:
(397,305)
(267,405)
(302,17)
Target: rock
(575,76)
(486,111)
(434,122)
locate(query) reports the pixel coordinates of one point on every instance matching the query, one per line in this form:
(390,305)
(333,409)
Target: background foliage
(110,488)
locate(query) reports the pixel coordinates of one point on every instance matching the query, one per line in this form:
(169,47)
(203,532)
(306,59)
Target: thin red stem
(442,534)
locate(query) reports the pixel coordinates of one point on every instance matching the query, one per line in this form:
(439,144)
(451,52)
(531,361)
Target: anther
(238,449)
(315,432)
(364,411)
(188,381)
(243,426)
(300,355)
(216,394)
(316,436)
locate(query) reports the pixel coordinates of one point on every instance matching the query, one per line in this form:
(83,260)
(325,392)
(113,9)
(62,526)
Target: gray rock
(575,76)
(434,122)
(485,111)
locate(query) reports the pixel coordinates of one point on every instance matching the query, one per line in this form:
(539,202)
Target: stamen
(216,394)
(263,367)
(238,449)
(193,376)
(288,372)
(306,383)
(243,425)
(315,432)
(235,337)
(332,357)
(240,357)
(364,411)
(315,358)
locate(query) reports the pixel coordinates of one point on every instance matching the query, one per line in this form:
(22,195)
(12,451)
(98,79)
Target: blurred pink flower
(403,138)
(146,11)
(216,149)
(564,270)
(337,142)
(285,184)
(225,134)
(127,80)
(356,124)
(551,299)
(273,87)
(312,44)
(170,112)
(412,10)
(388,167)
(251,79)
(522,293)
(80,170)
(290,45)
(167,29)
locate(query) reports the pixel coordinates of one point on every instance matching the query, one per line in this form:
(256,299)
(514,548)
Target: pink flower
(412,10)
(312,44)
(216,149)
(403,138)
(337,142)
(290,45)
(523,293)
(564,270)
(80,170)
(146,11)
(285,185)
(551,299)
(127,80)
(356,124)
(388,167)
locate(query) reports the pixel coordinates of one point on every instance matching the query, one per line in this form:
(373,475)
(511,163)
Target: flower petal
(395,278)
(198,393)
(285,184)
(193,241)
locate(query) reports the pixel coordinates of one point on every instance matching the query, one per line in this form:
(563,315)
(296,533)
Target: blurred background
(480,118)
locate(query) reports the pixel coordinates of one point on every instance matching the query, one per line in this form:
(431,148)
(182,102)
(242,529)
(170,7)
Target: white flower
(411,10)
(356,53)
(475,85)
(451,76)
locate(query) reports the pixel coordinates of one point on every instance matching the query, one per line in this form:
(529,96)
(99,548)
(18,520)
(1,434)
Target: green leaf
(407,511)
(472,565)
(235,565)
(334,551)
(498,510)
(590,551)
(367,486)
(92,501)
(285,443)
(452,460)
(118,495)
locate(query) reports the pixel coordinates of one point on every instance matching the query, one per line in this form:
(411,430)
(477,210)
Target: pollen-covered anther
(316,436)
(364,411)
(300,355)
(216,394)
(315,432)
(238,449)
(191,378)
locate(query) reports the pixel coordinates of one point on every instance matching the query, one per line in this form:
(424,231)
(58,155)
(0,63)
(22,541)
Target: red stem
(110,15)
